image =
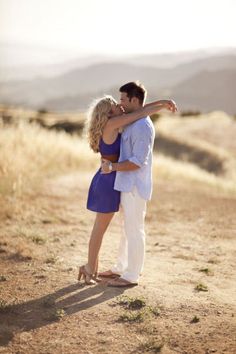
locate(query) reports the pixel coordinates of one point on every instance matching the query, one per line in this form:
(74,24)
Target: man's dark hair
(134,89)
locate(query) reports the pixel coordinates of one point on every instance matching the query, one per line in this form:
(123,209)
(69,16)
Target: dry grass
(201,287)
(12,115)
(214,131)
(171,168)
(212,134)
(29,153)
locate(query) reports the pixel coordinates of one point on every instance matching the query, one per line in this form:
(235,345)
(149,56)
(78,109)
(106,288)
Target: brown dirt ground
(189,227)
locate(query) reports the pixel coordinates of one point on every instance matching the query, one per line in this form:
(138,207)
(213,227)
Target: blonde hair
(97,118)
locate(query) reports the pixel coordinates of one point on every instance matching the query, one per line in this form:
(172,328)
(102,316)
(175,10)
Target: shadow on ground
(44,310)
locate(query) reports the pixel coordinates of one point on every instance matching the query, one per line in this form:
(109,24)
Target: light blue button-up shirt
(136,146)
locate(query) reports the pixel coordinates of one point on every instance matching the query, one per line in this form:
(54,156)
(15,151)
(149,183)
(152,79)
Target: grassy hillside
(190,147)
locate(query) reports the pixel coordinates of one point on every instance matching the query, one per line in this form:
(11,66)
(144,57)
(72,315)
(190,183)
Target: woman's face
(116,110)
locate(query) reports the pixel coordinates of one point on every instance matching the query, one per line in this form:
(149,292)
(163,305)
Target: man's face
(125,102)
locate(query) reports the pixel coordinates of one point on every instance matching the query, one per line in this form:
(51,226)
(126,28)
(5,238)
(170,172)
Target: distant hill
(75,89)
(170,60)
(207,91)
(17,62)
(26,62)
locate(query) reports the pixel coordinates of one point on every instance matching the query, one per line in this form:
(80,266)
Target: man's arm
(141,142)
(127,165)
(168,104)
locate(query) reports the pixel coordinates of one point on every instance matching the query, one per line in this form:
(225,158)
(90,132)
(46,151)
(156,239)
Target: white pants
(131,251)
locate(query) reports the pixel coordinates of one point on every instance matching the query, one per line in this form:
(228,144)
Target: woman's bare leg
(99,228)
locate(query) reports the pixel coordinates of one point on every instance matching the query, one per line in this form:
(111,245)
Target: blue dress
(102,197)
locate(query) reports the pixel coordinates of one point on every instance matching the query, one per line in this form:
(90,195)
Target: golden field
(30,153)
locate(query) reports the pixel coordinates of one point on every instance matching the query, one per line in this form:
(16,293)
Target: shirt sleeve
(141,140)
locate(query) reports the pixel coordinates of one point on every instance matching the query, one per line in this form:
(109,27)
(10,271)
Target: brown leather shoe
(120,283)
(108,274)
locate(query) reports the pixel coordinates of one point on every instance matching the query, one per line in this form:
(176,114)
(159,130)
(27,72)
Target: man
(134,181)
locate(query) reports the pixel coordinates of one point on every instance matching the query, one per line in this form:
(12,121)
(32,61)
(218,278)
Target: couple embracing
(124,180)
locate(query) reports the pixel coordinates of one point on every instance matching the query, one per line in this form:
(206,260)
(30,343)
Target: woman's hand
(105,166)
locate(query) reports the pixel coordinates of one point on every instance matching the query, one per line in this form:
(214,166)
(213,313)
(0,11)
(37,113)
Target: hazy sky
(121,27)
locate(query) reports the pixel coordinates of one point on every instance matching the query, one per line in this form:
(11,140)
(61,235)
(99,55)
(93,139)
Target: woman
(105,120)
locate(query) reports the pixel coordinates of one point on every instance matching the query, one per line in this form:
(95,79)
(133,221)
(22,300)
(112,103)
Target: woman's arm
(125,119)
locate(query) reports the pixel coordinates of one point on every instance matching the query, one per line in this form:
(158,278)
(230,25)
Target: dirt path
(44,310)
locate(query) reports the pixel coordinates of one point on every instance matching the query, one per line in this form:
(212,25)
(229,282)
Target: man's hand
(105,166)
(171,106)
